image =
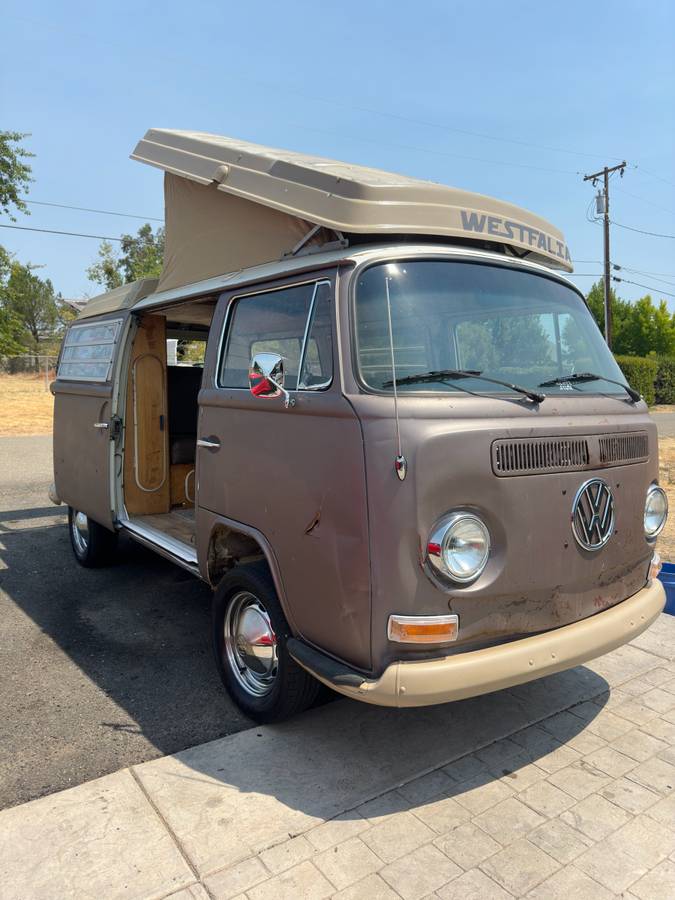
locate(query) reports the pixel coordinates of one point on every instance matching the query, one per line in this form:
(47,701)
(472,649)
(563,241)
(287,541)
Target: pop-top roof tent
(230,205)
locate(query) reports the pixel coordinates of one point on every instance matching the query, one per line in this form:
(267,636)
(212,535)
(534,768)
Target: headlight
(459,547)
(656,511)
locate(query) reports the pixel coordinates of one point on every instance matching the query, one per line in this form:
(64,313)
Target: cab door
(85,431)
(295,473)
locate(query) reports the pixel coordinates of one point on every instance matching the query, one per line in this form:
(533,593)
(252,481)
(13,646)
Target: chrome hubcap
(250,645)
(80,530)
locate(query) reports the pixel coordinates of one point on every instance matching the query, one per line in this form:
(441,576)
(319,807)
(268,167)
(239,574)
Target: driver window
(276,322)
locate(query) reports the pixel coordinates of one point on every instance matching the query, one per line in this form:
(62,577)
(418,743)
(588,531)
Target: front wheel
(93,545)
(249,641)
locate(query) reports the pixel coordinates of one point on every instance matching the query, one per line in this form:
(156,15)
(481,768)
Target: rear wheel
(93,545)
(249,641)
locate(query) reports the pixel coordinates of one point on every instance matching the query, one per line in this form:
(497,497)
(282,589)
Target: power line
(379,143)
(426,123)
(105,212)
(654,175)
(618,268)
(652,275)
(98,237)
(644,200)
(477,134)
(640,231)
(646,286)
(286,88)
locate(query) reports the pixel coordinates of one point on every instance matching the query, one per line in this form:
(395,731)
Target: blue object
(667,579)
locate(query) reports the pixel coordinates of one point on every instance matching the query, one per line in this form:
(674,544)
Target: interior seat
(183,384)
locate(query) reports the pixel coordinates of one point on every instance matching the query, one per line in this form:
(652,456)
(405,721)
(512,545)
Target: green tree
(15,179)
(10,334)
(30,302)
(5,266)
(107,270)
(15,172)
(10,327)
(140,256)
(596,303)
(621,315)
(643,327)
(639,328)
(663,329)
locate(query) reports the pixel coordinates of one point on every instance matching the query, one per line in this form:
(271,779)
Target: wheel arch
(233,543)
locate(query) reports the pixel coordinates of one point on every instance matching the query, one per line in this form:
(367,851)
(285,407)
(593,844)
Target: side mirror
(266,377)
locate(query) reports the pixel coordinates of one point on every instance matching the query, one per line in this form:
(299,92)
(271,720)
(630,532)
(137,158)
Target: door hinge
(115,428)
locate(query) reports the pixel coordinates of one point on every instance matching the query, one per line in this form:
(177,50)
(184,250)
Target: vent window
(88,351)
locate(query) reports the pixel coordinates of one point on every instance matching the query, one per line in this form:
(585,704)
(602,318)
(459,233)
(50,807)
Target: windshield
(505,323)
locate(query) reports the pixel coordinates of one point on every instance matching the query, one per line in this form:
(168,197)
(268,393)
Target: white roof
(249,204)
(123,297)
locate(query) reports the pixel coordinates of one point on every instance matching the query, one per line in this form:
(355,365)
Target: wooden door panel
(146,447)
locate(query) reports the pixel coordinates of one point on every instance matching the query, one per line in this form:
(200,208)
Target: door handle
(209,443)
(102,425)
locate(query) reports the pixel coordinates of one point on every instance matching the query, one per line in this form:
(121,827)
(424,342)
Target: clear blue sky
(404,86)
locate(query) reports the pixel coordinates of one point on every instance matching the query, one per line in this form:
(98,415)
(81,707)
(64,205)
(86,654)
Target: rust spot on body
(314,523)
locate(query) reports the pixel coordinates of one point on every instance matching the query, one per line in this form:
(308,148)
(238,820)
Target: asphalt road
(665,423)
(99,669)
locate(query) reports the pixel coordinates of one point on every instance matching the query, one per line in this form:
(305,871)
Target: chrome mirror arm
(288,400)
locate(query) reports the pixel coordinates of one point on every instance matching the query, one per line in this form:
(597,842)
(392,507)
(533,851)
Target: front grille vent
(622,448)
(533,456)
(524,456)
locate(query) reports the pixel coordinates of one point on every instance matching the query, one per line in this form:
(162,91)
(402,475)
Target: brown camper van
(373,414)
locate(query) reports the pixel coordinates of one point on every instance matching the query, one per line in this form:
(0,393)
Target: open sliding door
(146,443)
(84,429)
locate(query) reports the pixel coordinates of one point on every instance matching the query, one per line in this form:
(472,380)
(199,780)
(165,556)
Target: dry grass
(666,542)
(25,406)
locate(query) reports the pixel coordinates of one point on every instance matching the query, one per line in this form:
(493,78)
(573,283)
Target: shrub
(640,373)
(664,386)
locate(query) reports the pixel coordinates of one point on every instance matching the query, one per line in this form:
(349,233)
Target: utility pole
(604,174)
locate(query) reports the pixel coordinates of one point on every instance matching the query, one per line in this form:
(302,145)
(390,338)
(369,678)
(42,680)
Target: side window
(317,369)
(293,322)
(88,351)
(185,352)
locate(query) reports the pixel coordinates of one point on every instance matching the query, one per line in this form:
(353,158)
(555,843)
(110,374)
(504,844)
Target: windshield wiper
(443,374)
(591,376)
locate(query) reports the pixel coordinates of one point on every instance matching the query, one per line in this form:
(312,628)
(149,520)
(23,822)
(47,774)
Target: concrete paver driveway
(562,788)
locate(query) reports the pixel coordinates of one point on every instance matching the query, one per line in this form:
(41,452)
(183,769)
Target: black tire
(291,689)
(97,547)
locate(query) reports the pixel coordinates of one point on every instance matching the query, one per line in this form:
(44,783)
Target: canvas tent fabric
(210,233)
(232,204)
(123,297)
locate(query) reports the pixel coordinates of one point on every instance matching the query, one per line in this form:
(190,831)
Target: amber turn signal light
(654,567)
(423,629)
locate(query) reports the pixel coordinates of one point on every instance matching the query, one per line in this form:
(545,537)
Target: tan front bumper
(482,671)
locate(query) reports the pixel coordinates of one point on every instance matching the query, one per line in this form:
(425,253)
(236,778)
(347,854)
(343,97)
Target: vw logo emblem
(593,514)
